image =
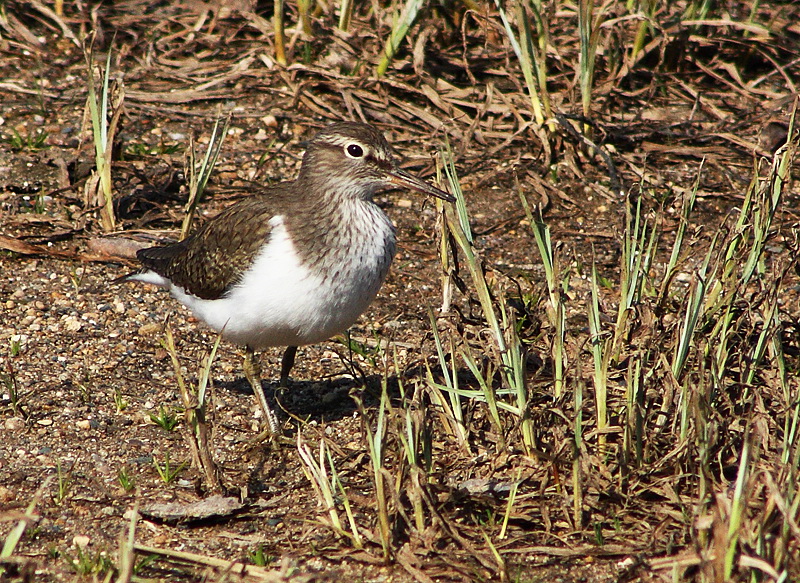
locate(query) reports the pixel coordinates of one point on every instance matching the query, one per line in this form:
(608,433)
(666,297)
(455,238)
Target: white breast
(279,302)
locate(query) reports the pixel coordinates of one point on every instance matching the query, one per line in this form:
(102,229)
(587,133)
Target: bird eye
(355,151)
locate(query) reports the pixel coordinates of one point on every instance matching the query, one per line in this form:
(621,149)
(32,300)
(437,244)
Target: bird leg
(252,372)
(287,362)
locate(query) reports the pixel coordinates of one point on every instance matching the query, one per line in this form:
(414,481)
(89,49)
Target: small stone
(404,203)
(81,541)
(45,422)
(149,329)
(84,424)
(14,424)
(6,495)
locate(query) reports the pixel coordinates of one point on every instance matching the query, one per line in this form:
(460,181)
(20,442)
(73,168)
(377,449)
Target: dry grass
(629,410)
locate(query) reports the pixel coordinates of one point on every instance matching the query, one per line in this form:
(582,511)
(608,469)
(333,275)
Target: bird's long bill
(404,179)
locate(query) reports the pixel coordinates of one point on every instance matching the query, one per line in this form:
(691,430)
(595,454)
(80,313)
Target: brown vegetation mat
(700,462)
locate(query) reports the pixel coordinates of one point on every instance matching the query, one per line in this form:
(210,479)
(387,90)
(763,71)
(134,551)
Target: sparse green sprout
(259,558)
(599,539)
(64,484)
(86,563)
(15,345)
(372,354)
(33,141)
(167,419)
(125,480)
(167,472)
(9,381)
(120,402)
(76,276)
(144,563)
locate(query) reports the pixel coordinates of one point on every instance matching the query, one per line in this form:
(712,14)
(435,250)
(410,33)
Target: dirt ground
(84,369)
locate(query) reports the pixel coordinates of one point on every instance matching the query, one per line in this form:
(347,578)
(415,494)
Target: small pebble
(81,541)
(5,495)
(128,514)
(14,424)
(72,324)
(149,329)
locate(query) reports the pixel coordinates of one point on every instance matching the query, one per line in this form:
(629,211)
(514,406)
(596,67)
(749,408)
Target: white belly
(279,302)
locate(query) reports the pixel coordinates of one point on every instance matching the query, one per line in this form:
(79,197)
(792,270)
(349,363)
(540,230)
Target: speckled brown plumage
(209,262)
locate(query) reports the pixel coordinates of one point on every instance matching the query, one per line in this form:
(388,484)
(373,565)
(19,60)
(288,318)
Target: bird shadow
(323,401)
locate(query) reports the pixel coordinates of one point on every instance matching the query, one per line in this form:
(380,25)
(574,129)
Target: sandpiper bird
(300,261)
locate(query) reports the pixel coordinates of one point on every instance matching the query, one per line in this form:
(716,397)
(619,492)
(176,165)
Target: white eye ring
(354,151)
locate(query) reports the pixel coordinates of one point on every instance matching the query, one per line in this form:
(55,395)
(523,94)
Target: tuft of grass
(86,563)
(557,286)
(402,23)
(588,35)
(99,189)
(120,402)
(9,382)
(259,558)
(125,480)
(325,481)
(64,484)
(167,471)
(196,411)
(199,174)
(33,141)
(15,345)
(599,347)
(166,419)
(531,51)
(376,442)
(502,326)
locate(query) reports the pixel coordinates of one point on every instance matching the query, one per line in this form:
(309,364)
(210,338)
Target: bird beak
(403,179)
